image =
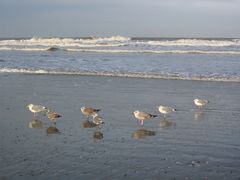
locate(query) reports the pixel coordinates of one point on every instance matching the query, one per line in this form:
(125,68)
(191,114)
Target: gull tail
(153,116)
(97,110)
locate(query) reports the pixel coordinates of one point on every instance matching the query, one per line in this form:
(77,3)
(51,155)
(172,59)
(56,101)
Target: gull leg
(141,122)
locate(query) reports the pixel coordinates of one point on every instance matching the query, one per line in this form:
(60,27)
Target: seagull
(97,119)
(89,111)
(200,102)
(142,116)
(165,110)
(52,116)
(36,108)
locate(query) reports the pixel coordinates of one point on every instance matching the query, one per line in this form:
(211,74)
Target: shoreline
(7,71)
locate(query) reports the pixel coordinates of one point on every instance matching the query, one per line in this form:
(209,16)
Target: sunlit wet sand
(204,143)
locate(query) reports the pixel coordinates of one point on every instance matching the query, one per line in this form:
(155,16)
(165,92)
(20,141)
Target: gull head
(29,105)
(135,113)
(160,107)
(83,108)
(195,100)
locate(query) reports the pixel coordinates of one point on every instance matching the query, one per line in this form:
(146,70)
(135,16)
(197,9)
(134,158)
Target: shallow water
(202,59)
(203,144)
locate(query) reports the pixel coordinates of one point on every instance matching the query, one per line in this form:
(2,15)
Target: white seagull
(165,110)
(142,116)
(97,119)
(200,102)
(36,108)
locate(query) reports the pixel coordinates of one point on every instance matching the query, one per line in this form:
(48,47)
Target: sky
(132,18)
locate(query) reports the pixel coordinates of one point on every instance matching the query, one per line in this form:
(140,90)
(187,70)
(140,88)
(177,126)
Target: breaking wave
(196,42)
(64,42)
(120,39)
(53,49)
(118,44)
(155,51)
(121,74)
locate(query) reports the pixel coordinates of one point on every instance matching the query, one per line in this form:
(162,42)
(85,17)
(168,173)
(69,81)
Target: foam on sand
(118,74)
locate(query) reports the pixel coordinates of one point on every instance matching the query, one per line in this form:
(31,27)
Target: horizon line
(132,37)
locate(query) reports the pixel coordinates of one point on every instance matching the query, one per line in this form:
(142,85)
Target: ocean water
(166,58)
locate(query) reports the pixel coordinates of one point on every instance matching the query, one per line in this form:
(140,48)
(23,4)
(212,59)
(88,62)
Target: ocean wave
(154,51)
(119,41)
(196,42)
(113,38)
(121,74)
(52,49)
(24,49)
(64,42)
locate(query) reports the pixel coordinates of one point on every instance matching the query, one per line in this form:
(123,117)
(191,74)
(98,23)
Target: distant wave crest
(196,42)
(62,41)
(120,44)
(121,74)
(119,39)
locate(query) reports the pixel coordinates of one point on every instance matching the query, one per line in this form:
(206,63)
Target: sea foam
(121,74)
(119,44)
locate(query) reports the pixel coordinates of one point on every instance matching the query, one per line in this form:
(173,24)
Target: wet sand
(197,144)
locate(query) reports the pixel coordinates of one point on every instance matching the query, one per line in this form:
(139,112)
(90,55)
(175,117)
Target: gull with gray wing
(165,110)
(89,111)
(36,109)
(200,102)
(142,116)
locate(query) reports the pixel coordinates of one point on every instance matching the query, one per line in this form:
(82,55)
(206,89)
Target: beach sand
(201,144)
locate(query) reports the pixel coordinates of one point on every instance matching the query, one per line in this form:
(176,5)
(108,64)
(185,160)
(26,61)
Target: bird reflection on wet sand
(166,123)
(52,130)
(143,133)
(35,124)
(88,124)
(97,135)
(198,115)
